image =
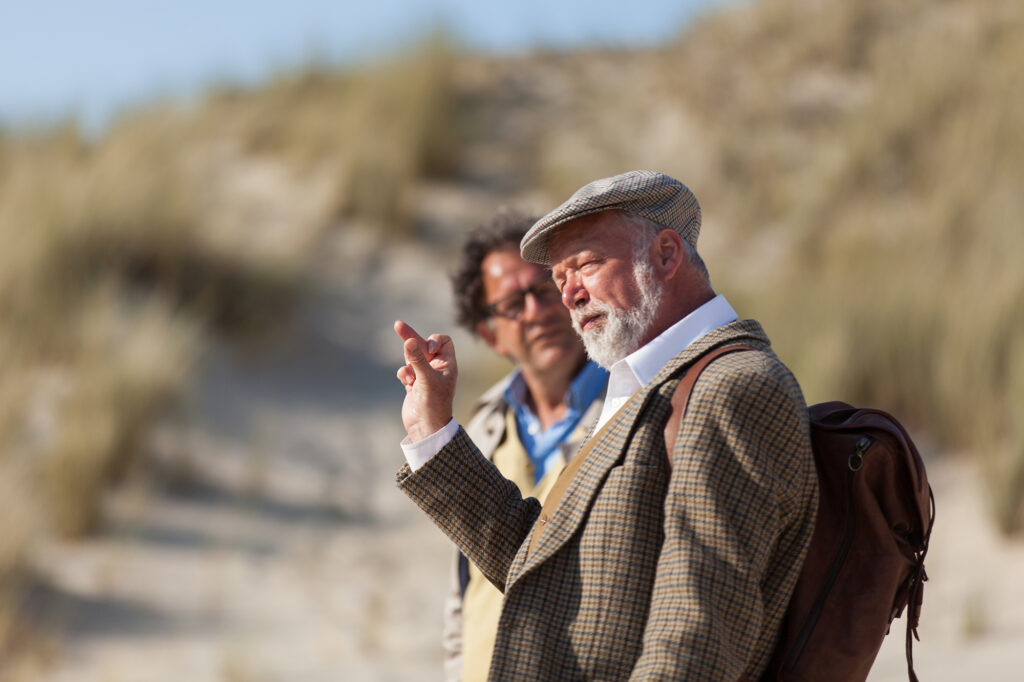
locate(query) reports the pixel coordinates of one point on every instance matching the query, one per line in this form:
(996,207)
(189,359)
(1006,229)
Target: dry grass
(888,161)
(373,131)
(860,166)
(123,253)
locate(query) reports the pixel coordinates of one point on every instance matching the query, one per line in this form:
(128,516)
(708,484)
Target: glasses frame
(537,290)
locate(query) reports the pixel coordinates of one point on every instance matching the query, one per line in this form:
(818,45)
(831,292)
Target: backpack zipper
(854,463)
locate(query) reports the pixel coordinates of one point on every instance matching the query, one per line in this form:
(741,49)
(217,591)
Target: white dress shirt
(627,376)
(632,373)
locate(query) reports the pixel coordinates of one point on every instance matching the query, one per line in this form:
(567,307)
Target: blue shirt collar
(586,386)
(542,446)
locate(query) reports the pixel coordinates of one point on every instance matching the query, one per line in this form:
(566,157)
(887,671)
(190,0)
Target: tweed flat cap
(650,194)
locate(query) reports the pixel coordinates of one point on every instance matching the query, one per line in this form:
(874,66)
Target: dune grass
(124,253)
(859,166)
(902,287)
(373,131)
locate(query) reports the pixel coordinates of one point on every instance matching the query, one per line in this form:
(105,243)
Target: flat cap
(650,194)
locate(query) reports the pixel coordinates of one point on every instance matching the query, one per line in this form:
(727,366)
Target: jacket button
(543,520)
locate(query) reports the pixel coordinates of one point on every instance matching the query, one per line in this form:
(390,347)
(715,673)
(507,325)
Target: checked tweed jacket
(487,428)
(641,572)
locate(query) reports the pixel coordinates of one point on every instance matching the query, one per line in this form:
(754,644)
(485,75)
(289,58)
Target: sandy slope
(279,550)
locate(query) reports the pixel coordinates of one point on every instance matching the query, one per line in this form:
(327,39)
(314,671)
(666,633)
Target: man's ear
(485,331)
(669,252)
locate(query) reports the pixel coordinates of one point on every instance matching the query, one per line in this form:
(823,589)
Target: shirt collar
(635,370)
(584,388)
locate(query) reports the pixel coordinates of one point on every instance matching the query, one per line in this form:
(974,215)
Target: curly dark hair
(504,231)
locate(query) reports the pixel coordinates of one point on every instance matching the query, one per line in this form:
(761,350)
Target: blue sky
(93,58)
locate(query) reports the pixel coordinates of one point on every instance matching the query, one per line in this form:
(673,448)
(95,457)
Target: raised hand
(429,377)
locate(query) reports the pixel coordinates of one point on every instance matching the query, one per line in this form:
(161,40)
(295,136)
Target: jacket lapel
(610,447)
(606,448)
(748,332)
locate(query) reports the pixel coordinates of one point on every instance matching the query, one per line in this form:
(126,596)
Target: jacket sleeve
(466,496)
(724,511)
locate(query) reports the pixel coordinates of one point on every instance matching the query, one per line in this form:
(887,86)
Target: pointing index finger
(406,332)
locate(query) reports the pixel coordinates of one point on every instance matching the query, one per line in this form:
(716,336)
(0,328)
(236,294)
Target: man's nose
(573,293)
(534,305)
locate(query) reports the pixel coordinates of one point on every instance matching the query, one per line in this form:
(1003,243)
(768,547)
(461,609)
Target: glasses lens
(546,291)
(510,307)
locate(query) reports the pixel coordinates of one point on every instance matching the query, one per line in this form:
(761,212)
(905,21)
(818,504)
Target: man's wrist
(422,431)
(419,452)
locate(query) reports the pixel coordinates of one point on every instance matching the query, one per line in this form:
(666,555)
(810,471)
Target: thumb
(415,357)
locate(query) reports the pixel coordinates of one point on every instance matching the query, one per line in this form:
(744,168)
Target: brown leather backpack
(865,562)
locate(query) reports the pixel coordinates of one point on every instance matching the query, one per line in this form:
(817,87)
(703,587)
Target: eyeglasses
(512,306)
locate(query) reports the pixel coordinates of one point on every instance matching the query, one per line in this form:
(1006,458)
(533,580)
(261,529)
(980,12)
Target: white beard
(623,330)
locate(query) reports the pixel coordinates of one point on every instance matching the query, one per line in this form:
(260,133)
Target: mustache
(577,315)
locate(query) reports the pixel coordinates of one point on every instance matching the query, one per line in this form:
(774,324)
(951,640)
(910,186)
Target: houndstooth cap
(650,194)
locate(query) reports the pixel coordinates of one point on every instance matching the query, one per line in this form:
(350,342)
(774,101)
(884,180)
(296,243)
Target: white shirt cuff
(420,452)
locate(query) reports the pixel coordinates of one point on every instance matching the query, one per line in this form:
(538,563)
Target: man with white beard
(645,561)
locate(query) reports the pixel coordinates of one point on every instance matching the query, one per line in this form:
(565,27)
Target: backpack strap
(915,595)
(681,396)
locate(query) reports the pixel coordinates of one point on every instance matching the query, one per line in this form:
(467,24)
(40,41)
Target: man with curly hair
(531,422)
